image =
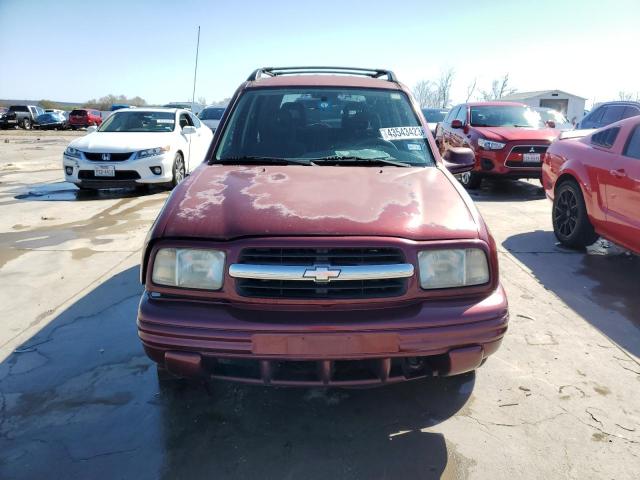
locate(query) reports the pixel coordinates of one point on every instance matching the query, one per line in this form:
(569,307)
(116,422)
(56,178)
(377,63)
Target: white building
(572,106)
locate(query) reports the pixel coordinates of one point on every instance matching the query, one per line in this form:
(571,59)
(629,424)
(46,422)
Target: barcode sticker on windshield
(402,133)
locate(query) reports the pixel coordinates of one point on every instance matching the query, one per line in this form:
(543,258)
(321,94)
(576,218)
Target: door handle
(618,173)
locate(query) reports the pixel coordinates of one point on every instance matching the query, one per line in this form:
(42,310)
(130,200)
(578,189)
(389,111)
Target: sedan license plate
(531,158)
(105,171)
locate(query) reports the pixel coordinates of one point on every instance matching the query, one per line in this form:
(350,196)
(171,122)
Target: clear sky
(70,50)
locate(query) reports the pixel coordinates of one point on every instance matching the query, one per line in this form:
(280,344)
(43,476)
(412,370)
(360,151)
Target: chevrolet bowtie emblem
(322,274)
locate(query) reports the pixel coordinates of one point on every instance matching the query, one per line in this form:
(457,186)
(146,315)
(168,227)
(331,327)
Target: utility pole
(195,72)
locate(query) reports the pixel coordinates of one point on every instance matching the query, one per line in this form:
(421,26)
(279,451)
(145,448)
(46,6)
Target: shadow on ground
(65,191)
(601,289)
(505,190)
(81,400)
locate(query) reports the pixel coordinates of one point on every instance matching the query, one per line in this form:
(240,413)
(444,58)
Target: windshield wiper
(334,159)
(251,160)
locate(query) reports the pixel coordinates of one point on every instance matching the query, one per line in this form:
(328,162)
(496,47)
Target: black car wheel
(26,124)
(179,170)
(470,180)
(571,223)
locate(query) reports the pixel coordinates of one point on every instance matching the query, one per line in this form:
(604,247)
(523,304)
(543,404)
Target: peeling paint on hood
(224,202)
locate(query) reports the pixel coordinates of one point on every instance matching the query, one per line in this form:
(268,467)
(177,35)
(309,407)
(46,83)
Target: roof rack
(277,71)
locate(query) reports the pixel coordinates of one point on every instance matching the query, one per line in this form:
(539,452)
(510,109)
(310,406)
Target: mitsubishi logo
(532,150)
(322,274)
(106,157)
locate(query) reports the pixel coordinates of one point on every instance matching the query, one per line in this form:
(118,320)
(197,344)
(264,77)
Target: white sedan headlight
(151,152)
(189,268)
(72,152)
(490,144)
(453,268)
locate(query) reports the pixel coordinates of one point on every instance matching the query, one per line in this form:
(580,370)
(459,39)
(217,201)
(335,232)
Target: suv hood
(116,142)
(509,134)
(224,202)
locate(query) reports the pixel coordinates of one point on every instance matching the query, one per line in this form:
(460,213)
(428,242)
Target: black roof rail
(277,71)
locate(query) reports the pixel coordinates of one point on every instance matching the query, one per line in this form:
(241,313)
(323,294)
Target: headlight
(490,144)
(150,152)
(72,152)
(189,268)
(452,268)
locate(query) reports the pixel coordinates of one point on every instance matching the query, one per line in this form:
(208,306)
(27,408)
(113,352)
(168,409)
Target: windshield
(139,121)
(505,116)
(434,115)
(325,123)
(211,114)
(554,116)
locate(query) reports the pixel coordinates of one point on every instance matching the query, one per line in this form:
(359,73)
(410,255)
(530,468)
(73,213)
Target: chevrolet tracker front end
(324,242)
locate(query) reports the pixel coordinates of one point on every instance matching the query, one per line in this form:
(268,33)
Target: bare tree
(202,100)
(425,92)
(471,88)
(444,88)
(105,102)
(628,96)
(499,89)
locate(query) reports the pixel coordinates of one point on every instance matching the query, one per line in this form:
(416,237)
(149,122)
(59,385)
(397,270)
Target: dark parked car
(607,113)
(594,182)
(323,241)
(83,117)
(509,139)
(434,116)
(23,116)
(211,116)
(52,121)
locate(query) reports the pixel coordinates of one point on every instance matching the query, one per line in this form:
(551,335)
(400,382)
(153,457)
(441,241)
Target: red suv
(509,139)
(323,241)
(82,117)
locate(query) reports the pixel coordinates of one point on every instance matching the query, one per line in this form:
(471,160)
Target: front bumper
(327,347)
(506,163)
(134,171)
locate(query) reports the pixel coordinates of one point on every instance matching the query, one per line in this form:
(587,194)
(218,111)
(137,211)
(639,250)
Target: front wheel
(179,170)
(26,124)
(470,180)
(571,223)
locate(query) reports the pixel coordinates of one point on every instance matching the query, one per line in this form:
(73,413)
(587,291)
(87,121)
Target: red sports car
(594,182)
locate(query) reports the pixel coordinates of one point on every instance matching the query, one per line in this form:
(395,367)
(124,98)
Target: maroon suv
(509,139)
(83,117)
(323,241)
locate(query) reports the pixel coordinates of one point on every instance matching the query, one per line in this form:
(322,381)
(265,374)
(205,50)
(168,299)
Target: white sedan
(135,147)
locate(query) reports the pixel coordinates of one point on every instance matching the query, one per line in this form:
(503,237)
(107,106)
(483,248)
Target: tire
(179,170)
(26,124)
(470,180)
(571,224)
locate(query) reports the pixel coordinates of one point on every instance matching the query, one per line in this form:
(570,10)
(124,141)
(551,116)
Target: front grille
(530,149)
(113,157)
(119,175)
(302,289)
(321,256)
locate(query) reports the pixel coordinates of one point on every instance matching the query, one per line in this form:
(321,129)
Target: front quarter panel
(573,159)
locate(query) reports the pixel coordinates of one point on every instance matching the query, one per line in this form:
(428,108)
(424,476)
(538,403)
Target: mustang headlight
(150,152)
(72,152)
(490,144)
(453,268)
(189,268)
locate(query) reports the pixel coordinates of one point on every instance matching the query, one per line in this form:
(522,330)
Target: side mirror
(551,124)
(92,129)
(188,130)
(459,159)
(456,123)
